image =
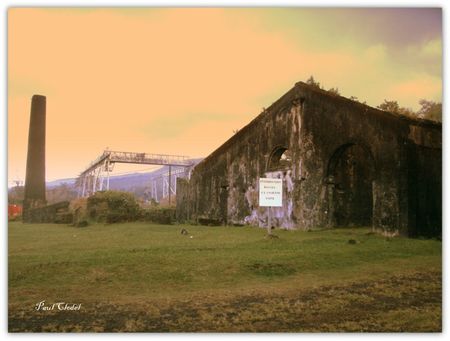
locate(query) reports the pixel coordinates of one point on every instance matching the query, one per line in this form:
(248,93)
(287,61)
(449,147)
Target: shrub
(78,209)
(81,223)
(113,207)
(160,215)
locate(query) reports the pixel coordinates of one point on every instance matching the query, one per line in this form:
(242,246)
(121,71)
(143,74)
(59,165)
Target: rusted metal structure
(96,175)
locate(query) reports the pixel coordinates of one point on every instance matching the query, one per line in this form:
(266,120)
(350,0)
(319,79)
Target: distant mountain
(59,182)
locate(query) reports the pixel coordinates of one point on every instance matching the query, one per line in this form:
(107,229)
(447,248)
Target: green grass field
(143,277)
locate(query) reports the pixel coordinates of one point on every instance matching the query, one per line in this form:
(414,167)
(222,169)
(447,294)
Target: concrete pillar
(35,172)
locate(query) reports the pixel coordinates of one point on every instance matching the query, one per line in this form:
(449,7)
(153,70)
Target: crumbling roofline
(417,121)
(295,93)
(284,100)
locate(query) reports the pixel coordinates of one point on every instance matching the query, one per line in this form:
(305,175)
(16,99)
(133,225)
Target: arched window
(350,179)
(280,159)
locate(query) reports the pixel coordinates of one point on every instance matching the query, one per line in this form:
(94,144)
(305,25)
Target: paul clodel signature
(42,306)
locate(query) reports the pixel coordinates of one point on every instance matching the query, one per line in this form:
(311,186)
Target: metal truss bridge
(96,176)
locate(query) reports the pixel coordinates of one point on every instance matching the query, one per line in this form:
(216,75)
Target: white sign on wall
(270,192)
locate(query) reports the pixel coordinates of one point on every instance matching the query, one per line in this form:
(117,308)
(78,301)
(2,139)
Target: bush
(81,223)
(78,209)
(160,215)
(113,207)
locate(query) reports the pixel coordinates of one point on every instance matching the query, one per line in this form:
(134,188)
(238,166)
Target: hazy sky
(179,81)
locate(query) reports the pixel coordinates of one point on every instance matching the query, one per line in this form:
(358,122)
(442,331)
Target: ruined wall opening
(350,177)
(280,159)
(279,165)
(424,191)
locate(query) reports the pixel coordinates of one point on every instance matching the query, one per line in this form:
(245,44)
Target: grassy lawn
(143,277)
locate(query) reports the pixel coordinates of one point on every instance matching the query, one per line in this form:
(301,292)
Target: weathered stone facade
(343,163)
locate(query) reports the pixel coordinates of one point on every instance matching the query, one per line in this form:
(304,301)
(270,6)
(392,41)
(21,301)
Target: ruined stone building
(343,163)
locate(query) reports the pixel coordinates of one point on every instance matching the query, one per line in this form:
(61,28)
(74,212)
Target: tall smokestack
(35,174)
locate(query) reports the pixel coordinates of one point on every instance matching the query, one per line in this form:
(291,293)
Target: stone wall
(342,164)
(57,213)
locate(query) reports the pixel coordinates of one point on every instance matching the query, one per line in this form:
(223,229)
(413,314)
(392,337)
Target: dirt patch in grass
(271,269)
(403,303)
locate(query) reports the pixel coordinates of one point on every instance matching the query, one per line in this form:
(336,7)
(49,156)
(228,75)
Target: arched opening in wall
(280,159)
(350,179)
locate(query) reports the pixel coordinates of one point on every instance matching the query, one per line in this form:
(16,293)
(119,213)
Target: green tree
(63,192)
(394,107)
(311,81)
(391,106)
(16,195)
(334,91)
(430,110)
(113,207)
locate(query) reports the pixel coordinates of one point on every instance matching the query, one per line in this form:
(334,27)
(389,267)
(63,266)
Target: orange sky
(179,81)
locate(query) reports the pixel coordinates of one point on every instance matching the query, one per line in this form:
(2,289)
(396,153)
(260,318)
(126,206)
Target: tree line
(429,110)
(63,192)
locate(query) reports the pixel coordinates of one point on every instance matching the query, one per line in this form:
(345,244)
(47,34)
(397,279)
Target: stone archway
(280,159)
(279,165)
(350,177)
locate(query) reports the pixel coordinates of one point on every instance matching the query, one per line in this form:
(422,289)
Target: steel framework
(96,175)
